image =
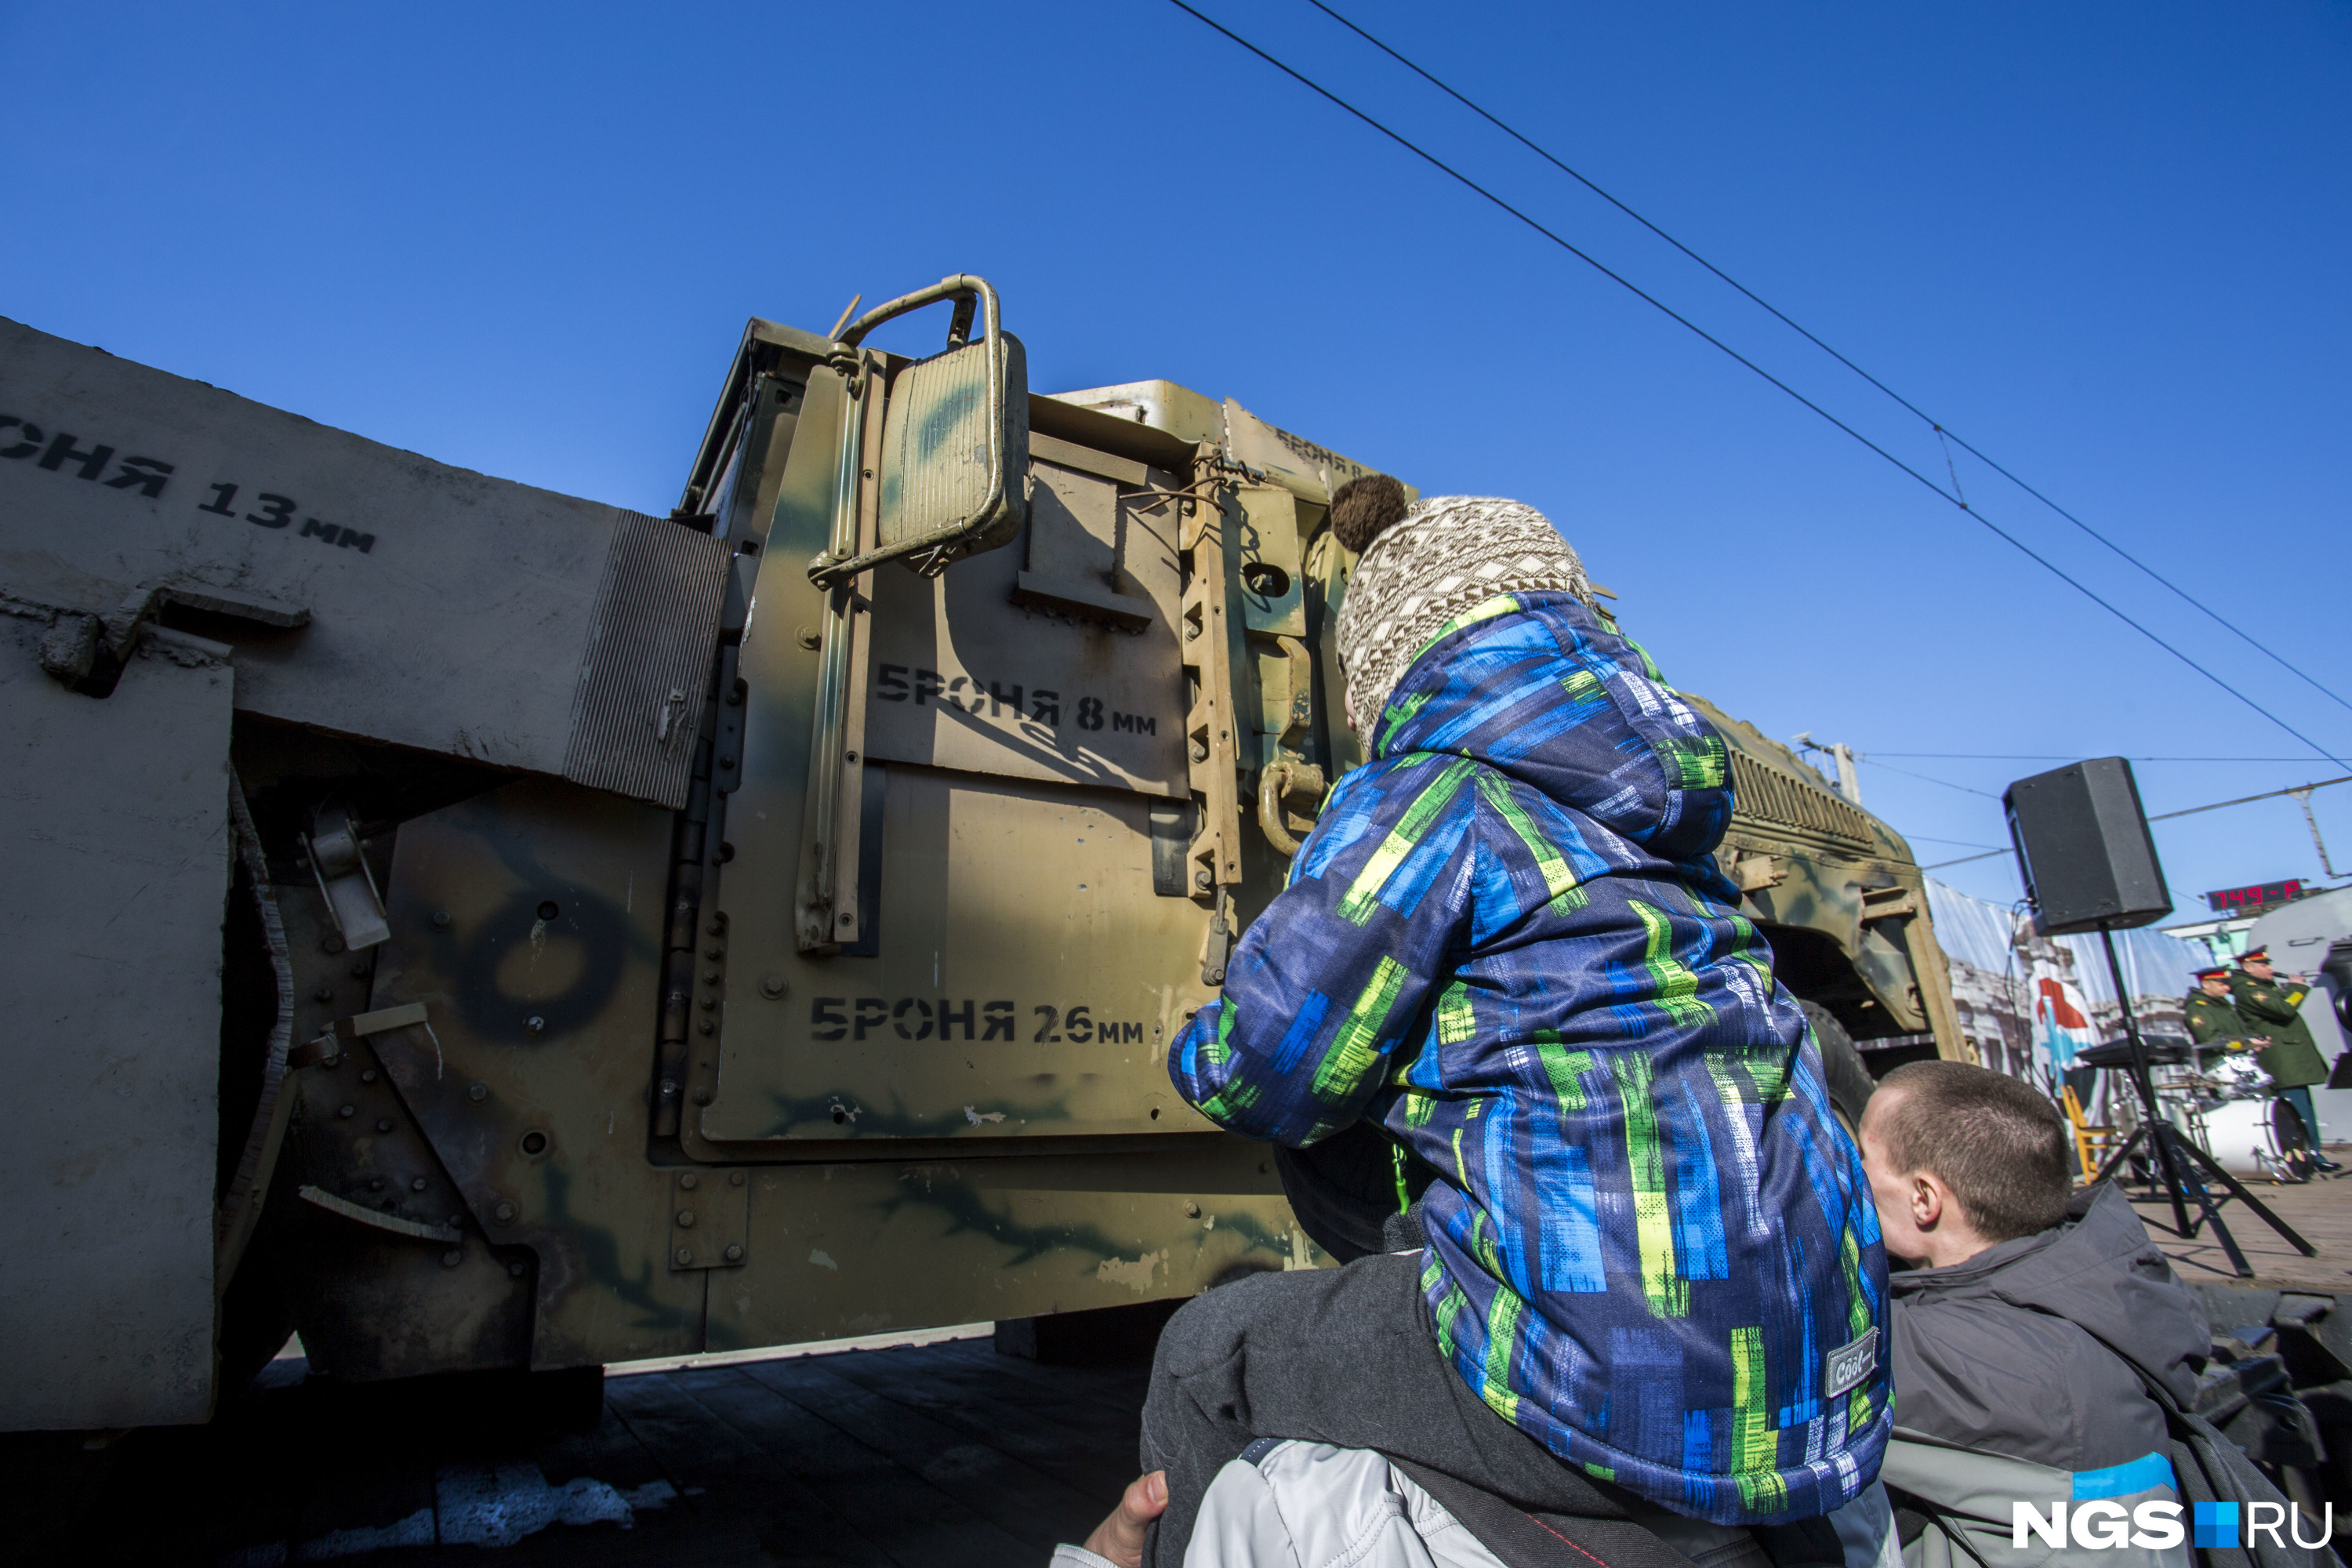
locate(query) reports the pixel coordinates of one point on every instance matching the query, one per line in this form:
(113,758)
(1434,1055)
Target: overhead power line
(2245,799)
(2299,790)
(1685,321)
(1964,859)
(1890,767)
(1785,320)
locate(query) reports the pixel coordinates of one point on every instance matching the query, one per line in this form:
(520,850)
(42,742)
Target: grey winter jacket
(1309,1505)
(2010,1387)
(1291,1504)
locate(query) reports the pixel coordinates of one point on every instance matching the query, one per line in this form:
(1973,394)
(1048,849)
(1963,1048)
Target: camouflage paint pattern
(963,1113)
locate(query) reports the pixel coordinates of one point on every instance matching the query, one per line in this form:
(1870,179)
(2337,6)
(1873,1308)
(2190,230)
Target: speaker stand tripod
(2177,1159)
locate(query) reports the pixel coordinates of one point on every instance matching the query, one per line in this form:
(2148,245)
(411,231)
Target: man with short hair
(2024,1329)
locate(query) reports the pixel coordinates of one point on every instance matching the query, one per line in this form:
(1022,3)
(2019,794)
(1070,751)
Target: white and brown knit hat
(1445,555)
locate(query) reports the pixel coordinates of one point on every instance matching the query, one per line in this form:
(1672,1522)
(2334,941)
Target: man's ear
(1928,1200)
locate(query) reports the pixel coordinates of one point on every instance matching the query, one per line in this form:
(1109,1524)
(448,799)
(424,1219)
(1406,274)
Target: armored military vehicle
(482,928)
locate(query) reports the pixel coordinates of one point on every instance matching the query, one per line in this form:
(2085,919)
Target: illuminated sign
(2261,896)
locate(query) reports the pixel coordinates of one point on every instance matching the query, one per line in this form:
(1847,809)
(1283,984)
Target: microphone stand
(2177,1158)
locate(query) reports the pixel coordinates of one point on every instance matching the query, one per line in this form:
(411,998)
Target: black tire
(1850,1083)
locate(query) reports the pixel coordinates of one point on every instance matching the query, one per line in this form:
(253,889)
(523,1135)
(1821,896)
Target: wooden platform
(2320,1212)
(945,1455)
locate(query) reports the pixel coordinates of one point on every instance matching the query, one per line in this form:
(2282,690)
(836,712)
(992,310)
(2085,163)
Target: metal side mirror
(954,478)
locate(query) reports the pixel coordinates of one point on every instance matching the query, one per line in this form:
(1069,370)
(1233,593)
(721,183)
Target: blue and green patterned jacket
(1649,1244)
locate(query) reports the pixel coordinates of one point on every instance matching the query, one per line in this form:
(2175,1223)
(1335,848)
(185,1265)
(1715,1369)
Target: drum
(2237,1133)
(2242,1136)
(2237,1076)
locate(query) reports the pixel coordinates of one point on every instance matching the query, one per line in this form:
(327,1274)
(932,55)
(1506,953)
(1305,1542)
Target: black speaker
(2084,848)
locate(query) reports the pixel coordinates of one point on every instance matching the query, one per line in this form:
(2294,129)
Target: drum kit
(2227,1108)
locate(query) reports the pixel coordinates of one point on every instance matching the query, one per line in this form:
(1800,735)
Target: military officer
(2212,1012)
(2267,1012)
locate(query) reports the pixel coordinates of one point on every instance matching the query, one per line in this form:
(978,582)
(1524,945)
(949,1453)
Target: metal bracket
(1278,783)
(328,1049)
(1217,941)
(1887,903)
(344,880)
(123,625)
(1212,649)
(709,1220)
(825,898)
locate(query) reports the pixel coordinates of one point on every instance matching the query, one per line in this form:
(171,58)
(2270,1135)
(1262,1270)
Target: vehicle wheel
(1850,1083)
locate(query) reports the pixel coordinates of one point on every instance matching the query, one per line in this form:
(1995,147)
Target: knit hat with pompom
(1421,566)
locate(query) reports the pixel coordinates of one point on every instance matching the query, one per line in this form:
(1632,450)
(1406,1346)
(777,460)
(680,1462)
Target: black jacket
(2003,1352)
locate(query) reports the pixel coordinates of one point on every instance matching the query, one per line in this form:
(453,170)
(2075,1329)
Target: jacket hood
(1533,686)
(2099,1271)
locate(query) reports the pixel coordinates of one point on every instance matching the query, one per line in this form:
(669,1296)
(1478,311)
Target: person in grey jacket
(1289,1504)
(2023,1331)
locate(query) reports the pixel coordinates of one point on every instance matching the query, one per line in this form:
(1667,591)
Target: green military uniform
(2268,1007)
(2213,1021)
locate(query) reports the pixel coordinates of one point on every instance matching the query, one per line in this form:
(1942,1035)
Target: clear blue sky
(2106,242)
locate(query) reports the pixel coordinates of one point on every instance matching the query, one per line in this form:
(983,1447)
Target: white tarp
(2029,1001)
